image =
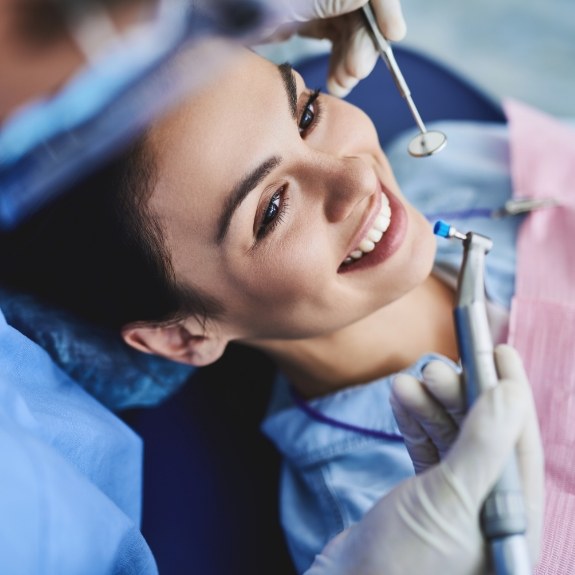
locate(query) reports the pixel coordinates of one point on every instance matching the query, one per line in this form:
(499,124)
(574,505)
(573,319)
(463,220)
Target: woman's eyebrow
(239,193)
(253,178)
(290,86)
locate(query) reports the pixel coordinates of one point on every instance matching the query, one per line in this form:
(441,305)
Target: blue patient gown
(70,473)
(331,475)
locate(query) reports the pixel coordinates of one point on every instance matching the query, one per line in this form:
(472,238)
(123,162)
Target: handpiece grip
(503,514)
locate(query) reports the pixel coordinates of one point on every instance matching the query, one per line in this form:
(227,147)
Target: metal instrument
(426,142)
(503,517)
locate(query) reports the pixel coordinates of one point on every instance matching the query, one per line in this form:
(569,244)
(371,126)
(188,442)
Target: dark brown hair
(99,253)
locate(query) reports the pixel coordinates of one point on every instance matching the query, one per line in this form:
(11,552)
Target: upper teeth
(378,228)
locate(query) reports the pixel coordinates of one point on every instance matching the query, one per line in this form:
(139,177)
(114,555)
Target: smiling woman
(263,212)
(298,185)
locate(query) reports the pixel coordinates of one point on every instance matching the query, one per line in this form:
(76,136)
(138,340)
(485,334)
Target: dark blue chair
(439,94)
(211,478)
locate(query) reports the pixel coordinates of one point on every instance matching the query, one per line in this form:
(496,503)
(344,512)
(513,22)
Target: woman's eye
(310,114)
(273,213)
(272,209)
(307,118)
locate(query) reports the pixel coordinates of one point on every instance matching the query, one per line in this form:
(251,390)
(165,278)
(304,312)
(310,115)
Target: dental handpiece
(426,142)
(503,517)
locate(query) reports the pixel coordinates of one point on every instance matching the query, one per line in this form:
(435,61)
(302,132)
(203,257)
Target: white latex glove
(429,412)
(353,54)
(430,523)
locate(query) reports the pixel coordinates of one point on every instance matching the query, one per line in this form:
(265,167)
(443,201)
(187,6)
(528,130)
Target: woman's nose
(348,181)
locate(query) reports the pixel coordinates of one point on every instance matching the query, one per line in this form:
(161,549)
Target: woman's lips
(389,243)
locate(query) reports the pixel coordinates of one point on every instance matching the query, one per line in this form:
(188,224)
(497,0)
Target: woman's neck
(385,342)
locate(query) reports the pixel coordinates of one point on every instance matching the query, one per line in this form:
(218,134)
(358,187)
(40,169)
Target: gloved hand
(353,54)
(429,412)
(430,523)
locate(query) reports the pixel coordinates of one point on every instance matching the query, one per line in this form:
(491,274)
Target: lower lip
(389,243)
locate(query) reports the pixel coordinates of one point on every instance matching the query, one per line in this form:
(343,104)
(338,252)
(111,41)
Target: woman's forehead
(222,111)
(211,140)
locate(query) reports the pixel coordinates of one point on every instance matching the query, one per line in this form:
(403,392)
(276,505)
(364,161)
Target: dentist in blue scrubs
(70,470)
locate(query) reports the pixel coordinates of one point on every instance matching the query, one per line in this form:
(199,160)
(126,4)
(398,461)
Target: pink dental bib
(542,322)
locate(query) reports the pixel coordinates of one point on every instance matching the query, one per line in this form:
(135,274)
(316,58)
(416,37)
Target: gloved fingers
(509,364)
(531,468)
(353,54)
(446,386)
(387,12)
(490,431)
(421,449)
(390,18)
(431,416)
(529,448)
(353,57)
(306,10)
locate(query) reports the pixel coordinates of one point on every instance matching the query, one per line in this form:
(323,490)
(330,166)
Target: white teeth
(374,235)
(366,246)
(381,222)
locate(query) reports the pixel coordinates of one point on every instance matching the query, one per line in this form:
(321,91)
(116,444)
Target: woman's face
(279,203)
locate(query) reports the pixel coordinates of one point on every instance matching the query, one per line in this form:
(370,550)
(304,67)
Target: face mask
(50,144)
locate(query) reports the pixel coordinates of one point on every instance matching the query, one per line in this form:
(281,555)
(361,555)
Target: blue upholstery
(210,482)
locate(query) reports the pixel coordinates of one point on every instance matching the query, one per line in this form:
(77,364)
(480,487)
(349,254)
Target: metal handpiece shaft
(503,516)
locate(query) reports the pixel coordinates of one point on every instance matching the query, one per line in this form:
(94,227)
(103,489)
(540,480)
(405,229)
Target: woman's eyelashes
(273,213)
(310,114)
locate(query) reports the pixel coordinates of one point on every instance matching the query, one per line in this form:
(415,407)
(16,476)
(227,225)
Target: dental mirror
(427,143)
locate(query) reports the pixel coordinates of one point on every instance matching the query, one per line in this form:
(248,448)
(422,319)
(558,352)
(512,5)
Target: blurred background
(519,48)
(523,49)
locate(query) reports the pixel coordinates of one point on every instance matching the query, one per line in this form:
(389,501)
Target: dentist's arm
(430,523)
(341,21)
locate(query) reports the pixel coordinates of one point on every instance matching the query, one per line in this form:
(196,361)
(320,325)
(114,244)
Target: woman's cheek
(305,267)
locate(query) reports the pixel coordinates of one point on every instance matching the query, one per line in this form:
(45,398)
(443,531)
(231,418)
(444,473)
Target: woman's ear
(179,342)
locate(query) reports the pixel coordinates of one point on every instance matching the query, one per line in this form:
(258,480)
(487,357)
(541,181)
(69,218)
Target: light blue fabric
(70,473)
(471,173)
(332,476)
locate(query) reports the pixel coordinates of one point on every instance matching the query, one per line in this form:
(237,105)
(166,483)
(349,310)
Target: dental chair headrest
(117,375)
